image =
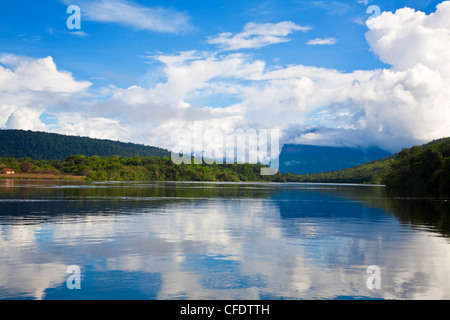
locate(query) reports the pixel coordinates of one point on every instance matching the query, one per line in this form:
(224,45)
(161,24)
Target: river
(247,241)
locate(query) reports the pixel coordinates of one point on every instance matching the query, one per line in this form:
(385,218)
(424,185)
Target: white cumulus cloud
(405,104)
(29,86)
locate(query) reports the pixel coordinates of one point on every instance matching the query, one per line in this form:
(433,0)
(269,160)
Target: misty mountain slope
(308,159)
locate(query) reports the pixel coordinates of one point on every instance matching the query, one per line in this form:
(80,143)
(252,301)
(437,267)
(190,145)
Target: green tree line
(117,168)
(423,169)
(369,173)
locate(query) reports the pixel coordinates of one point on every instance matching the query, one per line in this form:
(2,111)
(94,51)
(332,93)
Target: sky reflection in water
(219,241)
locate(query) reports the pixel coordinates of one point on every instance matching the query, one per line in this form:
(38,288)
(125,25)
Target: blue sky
(35,29)
(130,55)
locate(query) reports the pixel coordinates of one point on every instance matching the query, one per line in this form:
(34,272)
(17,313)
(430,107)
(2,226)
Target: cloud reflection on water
(291,243)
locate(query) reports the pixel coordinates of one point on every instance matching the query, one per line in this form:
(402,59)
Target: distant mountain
(52,146)
(308,159)
(420,168)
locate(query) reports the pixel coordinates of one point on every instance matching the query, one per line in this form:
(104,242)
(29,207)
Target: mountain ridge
(39,145)
(310,159)
(377,171)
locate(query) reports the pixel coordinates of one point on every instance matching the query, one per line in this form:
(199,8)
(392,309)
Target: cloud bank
(392,108)
(29,86)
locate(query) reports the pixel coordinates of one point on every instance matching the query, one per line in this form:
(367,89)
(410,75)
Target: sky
(334,73)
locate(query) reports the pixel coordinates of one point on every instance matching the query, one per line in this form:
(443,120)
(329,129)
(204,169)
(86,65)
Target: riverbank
(41,176)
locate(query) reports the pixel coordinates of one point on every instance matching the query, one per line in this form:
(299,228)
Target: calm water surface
(148,240)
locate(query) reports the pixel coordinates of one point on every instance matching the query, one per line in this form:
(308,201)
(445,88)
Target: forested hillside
(372,172)
(424,169)
(51,146)
(420,169)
